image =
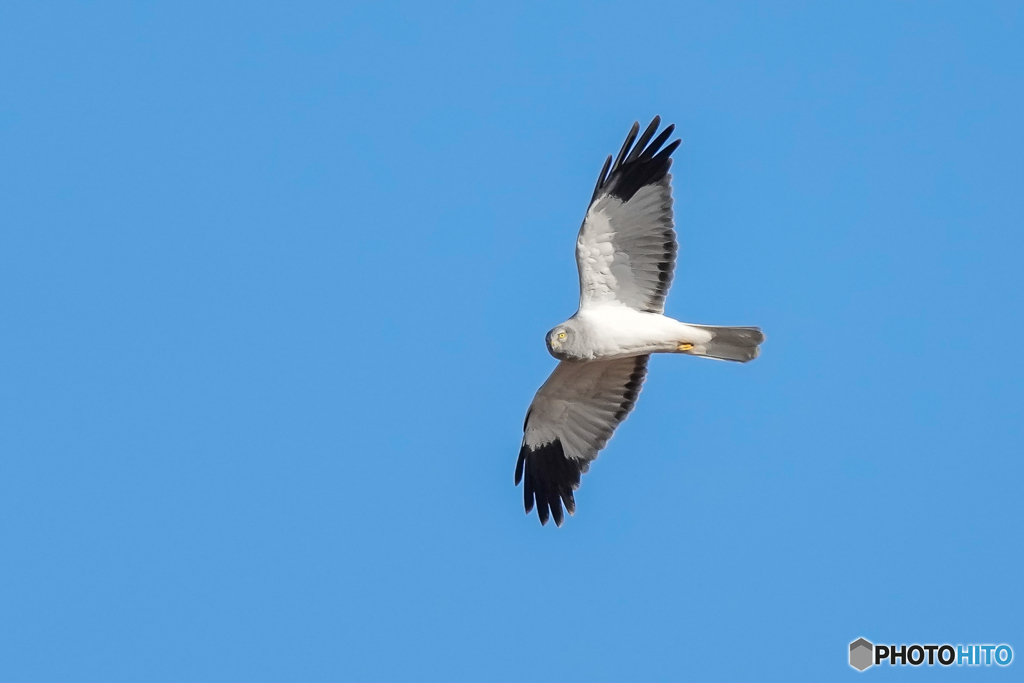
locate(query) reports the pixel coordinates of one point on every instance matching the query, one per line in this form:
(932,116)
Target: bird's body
(613,330)
(626,253)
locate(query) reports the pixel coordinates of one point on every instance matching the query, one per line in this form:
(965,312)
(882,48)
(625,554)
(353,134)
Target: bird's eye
(561,335)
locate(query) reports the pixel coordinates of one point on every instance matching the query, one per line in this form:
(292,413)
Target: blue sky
(274,280)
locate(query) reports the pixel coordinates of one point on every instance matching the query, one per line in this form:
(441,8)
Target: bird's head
(563,341)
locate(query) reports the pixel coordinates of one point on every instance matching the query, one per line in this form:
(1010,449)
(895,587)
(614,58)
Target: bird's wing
(626,250)
(571,418)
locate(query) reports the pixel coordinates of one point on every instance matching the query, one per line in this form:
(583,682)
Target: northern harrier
(626,252)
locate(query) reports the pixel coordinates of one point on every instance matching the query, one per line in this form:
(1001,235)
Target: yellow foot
(683,346)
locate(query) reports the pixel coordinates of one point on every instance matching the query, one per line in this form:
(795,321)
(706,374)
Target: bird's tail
(727,343)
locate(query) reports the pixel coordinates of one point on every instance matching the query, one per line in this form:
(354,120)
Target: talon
(684,346)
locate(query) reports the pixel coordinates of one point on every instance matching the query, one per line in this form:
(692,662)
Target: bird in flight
(626,253)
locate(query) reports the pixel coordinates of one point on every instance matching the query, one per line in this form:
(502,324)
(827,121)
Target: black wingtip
(556,511)
(528,499)
(602,176)
(641,144)
(667,152)
(549,478)
(625,146)
(569,501)
(639,165)
(658,142)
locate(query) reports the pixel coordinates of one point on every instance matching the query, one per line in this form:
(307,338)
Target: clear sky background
(274,281)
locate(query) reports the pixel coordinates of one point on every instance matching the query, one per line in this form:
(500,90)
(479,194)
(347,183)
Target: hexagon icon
(861,654)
